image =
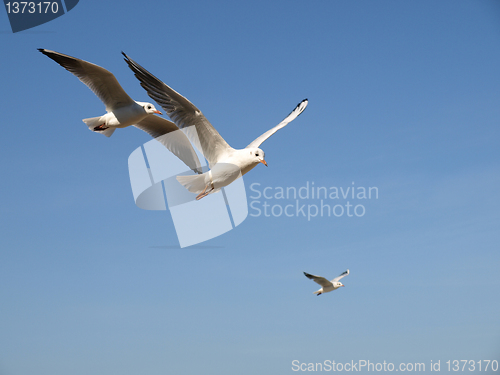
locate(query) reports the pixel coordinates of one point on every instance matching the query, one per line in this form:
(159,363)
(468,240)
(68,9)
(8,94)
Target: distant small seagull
(327,286)
(122,110)
(226,163)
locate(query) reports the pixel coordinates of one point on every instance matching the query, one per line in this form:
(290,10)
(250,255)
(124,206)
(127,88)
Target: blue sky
(403,96)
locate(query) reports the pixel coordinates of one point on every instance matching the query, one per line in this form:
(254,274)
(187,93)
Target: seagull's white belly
(125,116)
(224,173)
(327,289)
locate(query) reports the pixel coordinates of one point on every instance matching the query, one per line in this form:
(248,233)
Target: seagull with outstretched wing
(123,111)
(226,163)
(326,285)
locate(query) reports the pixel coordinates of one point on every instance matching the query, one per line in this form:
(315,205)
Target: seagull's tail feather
(94,122)
(195,184)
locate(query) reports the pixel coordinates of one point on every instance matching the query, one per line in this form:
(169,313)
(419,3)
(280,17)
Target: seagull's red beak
(158,112)
(263,162)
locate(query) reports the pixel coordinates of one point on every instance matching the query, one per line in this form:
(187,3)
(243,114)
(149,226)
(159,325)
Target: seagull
(123,111)
(226,163)
(327,286)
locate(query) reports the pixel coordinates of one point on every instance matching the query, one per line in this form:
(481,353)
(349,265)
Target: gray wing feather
(343,274)
(101,81)
(184,113)
(168,134)
(292,116)
(318,279)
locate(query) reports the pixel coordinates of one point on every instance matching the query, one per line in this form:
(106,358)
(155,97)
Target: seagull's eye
(256,154)
(149,107)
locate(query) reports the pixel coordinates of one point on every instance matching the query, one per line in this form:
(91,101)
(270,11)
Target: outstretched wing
(343,274)
(168,134)
(101,81)
(183,113)
(292,116)
(318,279)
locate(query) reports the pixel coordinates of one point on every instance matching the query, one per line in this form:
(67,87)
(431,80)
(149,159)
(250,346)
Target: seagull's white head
(338,284)
(149,108)
(257,155)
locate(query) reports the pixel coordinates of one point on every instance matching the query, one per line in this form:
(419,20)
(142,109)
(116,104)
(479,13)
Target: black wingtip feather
(139,70)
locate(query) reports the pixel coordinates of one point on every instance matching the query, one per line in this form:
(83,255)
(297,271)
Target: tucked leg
(204,193)
(100,127)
